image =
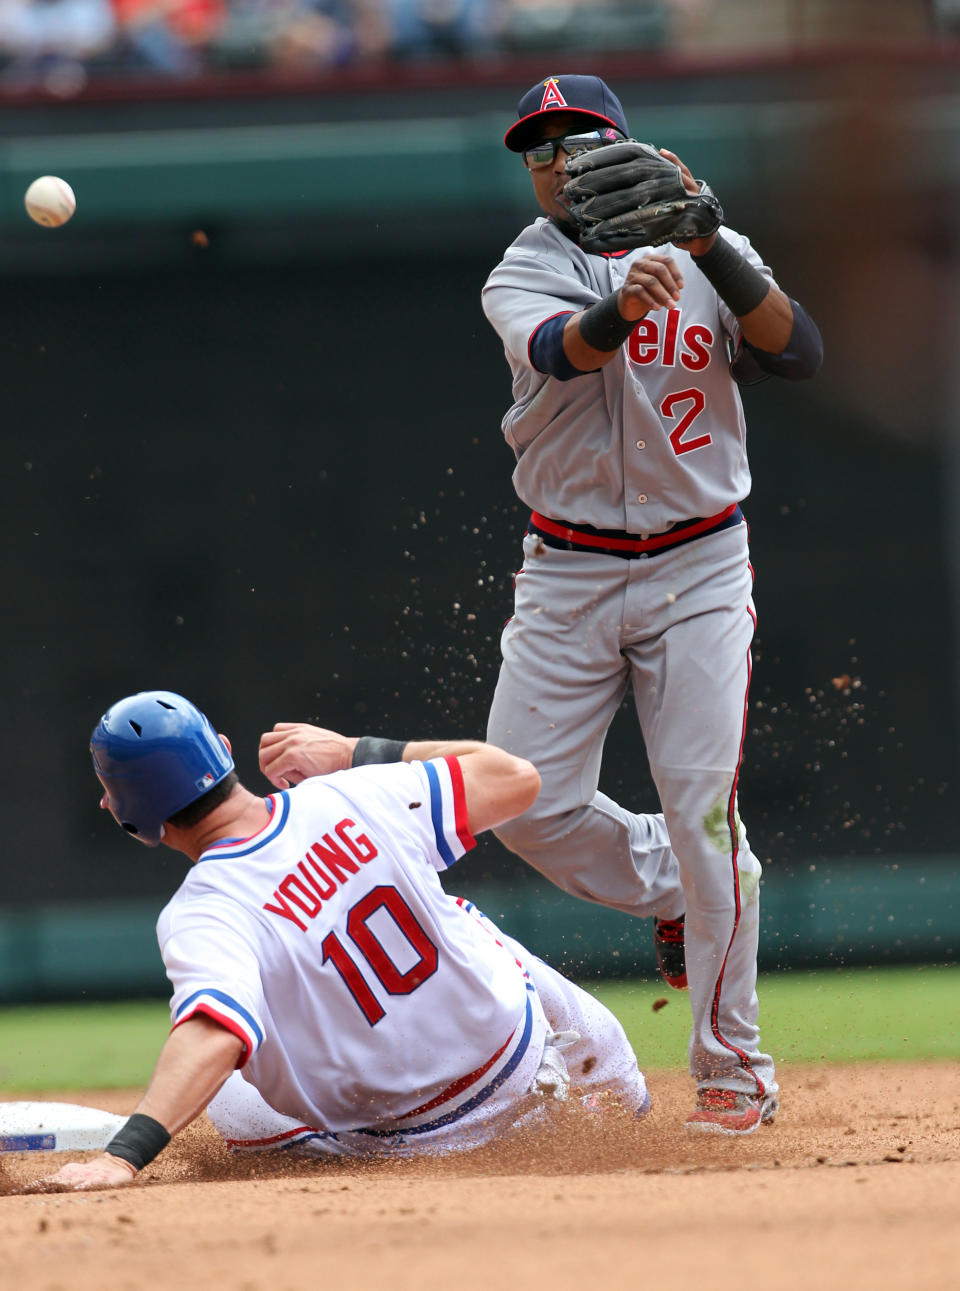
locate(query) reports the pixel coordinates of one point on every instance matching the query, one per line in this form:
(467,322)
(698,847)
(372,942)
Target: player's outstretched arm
(498,785)
(196,1059)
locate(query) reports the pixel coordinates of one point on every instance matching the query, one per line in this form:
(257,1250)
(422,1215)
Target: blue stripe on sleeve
(436,815)
(547,353)
(230,1003)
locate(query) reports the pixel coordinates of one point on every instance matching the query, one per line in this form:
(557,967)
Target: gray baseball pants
(677,627)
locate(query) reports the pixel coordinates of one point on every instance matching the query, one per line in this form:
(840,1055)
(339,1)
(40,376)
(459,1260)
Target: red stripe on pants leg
(735,850)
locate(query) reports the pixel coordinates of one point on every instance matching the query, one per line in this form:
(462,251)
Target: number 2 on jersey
(698,402)
(372,951)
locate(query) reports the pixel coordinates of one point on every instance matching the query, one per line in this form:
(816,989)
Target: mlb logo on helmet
(587,98)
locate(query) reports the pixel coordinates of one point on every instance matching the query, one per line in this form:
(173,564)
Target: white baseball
(50,201)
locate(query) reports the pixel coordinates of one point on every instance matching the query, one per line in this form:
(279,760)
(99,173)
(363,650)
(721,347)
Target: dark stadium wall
(284,492)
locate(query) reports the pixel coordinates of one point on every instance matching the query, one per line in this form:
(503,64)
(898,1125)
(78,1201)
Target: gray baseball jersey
(649,451)
(656,436)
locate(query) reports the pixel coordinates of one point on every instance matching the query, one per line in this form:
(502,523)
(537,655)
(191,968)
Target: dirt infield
(854,1186)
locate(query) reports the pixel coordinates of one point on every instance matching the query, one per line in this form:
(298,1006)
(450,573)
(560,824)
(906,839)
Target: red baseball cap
(587,96)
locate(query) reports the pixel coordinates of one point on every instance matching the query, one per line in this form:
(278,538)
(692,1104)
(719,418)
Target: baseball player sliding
(327,993)
(630,447)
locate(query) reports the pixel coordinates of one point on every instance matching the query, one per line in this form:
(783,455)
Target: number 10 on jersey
(369,949)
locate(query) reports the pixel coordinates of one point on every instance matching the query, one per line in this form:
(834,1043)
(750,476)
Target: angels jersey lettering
(668,393)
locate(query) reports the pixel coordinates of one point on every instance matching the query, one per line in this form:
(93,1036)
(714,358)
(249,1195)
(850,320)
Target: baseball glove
(627,195)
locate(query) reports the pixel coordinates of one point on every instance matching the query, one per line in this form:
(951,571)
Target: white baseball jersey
(657,435)
(365,997)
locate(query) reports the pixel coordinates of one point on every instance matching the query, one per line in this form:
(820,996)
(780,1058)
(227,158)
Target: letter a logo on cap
(552,98)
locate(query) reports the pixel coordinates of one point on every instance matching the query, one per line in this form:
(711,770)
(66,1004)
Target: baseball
(50,201)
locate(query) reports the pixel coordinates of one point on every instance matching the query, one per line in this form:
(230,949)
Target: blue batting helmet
(155,753)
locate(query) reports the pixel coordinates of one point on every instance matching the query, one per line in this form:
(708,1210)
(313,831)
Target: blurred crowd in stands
(61,45)
(70,39)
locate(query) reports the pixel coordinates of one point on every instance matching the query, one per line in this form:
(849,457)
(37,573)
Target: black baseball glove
(626,195)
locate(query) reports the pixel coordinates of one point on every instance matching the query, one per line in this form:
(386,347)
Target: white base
(55,1127)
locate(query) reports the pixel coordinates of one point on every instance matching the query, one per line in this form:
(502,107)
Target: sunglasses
(544,154)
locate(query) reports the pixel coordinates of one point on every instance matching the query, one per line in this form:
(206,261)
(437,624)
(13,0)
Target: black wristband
(139,1141)
(603,327)
(734,278)
(371,749)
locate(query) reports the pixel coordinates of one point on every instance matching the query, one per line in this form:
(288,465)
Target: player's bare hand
(651,283)
(104,1171)
(689,183)
(294,751)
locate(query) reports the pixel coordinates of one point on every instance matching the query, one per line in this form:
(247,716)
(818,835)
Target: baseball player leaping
(630,443)
(323,982)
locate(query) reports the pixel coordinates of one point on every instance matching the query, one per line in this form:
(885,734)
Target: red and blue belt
(613,542)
